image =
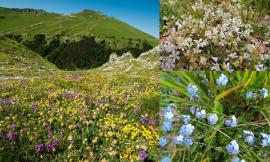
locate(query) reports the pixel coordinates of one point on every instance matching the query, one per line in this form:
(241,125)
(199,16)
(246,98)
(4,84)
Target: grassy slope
(17,60)
(84,23)
(141,89)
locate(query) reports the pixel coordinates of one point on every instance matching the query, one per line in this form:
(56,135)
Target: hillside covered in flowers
(215,35)
(103,114)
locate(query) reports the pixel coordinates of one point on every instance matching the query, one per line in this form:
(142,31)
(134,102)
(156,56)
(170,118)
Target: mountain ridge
(41,21)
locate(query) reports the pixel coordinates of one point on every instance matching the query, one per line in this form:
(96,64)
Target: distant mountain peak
(87,13)
(28,10)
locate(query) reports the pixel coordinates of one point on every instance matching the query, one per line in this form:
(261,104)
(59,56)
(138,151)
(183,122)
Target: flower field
(80,116)
(213,116)
(214,35)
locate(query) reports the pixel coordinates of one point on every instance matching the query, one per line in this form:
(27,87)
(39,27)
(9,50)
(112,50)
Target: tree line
(85,53)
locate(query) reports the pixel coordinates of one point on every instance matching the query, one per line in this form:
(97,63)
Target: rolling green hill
(19,61)
(87,22)
(81,40)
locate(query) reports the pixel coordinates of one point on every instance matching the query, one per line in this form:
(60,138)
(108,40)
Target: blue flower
(222,80)
(233,148)
(167,126)
(177,79)
(193,96)
(178,139)
(231,122)
(188,141)
(250,95)
(163,141)
(168,116)
(166,159)
(201,114)
(170,107)
(212,119)
(186,130)
(265,139)
(186,118)
(236,159)
(192,89)
(168,113)
(264,92)
(249,137)
(193,109)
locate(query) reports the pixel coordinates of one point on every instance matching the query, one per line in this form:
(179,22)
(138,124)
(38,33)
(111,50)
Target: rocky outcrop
(113,58)
(126,62)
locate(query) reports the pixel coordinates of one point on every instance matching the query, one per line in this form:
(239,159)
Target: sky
(142,14)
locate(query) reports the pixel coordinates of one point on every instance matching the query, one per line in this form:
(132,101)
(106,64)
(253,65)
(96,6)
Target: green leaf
(229,91)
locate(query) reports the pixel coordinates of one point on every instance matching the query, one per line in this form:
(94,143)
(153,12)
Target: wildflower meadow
(214,116)
(80,116)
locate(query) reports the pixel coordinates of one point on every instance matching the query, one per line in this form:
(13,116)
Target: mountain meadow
(81,40)
(79,87)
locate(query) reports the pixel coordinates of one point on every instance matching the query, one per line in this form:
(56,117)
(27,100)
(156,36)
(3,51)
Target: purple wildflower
(10,136)
(144,120)
(49,128)
(71,96)
(151,122)
(48,147)
(103,100)
(78,126)
(113,106)
(5,101)
(52,145)
(61,132)
(55,143)
(143,155)
(39,148)
(13,127)
(84,121)
(49,134)
(34,107)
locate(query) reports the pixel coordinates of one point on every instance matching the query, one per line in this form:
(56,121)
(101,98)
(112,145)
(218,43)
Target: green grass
(261,7)
(17,60)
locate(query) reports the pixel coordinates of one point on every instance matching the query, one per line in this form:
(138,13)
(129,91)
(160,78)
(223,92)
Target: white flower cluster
(214,37)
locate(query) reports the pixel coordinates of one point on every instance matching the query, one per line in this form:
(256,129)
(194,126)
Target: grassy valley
(81,40)
(89,114)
